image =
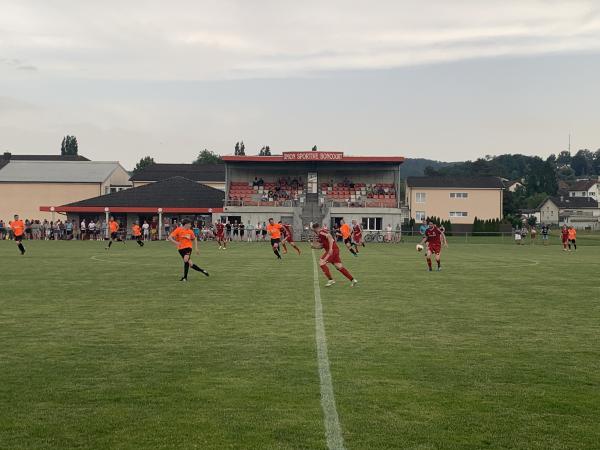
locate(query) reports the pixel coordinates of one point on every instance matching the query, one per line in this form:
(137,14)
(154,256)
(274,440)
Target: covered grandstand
(314,186)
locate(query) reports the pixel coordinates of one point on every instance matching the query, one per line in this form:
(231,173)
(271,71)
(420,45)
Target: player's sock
(326,271)
(186,269)
(345,272)
(21,248)
(199,269)
(352,251)
(429,263)
(109,243)
(439,264)
(277,253)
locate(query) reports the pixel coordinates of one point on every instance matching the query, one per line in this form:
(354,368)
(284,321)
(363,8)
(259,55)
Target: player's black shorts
(185,251)
(348,240)
(275,241)
(114,235)
(19,238)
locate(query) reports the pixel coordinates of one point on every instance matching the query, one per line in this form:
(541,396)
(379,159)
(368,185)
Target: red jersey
(287,231)
(220,227)
(323,238)
(434,236)
(565,234)
(357,230)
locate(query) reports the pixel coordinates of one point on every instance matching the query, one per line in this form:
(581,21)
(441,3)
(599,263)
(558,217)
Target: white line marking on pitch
(333,430)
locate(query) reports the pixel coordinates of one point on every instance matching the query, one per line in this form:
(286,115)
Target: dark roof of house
(511,183)
(196,172)
(582,185)
(456,182)
(175,192)
(574,202)
(6,157)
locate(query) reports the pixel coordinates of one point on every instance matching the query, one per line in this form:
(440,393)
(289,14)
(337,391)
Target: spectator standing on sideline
(249,231)
(146,230)
(83,230)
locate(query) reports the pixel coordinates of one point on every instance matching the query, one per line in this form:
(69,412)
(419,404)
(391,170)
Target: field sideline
(108,350)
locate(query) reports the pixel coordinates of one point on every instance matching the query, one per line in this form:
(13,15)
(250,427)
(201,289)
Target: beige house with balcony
(457,199)
(26,185)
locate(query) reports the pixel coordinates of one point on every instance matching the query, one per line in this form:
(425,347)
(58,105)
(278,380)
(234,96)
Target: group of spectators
(57,230)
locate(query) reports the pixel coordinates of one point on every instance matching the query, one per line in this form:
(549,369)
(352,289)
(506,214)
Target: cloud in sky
(225,39)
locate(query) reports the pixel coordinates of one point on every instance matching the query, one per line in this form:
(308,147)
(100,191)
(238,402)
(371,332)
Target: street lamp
(106,212)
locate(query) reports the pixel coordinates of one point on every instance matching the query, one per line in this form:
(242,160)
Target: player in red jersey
(564,235)
(18,229)
(183,238)
(220,235)
(325,241)
(434,237)
(357,237)
(288,237)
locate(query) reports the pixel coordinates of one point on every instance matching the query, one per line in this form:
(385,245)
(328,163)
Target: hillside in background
(415,167)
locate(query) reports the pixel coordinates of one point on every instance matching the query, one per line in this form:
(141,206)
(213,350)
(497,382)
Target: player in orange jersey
(18,229)
(113,228)
(274,230)
(346,233)
(184,239)
(136,232)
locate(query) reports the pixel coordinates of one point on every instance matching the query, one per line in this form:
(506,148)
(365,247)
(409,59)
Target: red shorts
(565,239)
(357,238)
(220,236)
(334,258)
(435,248)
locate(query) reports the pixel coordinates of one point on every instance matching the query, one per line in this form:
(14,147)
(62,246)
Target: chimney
(7,155)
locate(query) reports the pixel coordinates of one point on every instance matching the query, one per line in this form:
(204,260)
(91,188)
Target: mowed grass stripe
(333,429)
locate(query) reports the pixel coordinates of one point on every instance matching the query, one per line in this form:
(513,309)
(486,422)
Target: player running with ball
(325,241)
(183,237)
(434,237)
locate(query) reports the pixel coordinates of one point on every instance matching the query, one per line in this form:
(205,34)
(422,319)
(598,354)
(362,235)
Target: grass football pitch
(108,350)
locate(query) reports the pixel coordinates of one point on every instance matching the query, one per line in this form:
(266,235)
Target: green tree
(69,146)
(583,163)
(143,163)
(314,149)
(531,221)
(242,149)
(208,157)
(563,158)
(265,151)
(236,150)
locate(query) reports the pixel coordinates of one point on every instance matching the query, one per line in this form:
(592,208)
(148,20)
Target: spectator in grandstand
(255,182)
(261,182)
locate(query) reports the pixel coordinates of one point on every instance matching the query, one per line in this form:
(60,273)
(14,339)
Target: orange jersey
(136,230)
(113,226)
(184,237)
(572,234)
(345,230)
(274,230)
(18,227)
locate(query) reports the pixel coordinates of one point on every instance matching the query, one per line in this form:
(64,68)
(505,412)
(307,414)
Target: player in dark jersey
(564,236)
(288,237)
(220,235)
(325,241)
(357,237)
(434,237)
(184,238)
(545,232)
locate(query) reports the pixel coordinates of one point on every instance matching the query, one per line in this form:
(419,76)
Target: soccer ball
(419,248)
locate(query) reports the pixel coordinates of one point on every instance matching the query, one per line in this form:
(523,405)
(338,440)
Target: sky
(446,80)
